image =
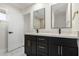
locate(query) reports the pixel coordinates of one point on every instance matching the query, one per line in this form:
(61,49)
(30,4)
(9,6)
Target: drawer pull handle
(29,43)
(41,39)
(41,47)
(61,50)
(58,50)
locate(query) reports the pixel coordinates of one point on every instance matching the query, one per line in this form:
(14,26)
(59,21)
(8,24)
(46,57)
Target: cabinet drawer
(42,49)
(42,44)
(42,39)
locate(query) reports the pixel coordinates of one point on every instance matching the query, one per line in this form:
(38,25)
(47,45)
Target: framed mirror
(39,19)
(61,15)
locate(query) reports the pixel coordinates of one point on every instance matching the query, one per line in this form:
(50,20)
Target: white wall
(75,21)
(12,14)
(3,40)
(27,23)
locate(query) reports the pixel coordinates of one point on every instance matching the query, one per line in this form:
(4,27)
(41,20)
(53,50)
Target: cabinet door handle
(41,47)
(61,50)
(58,50)
(29,43)
(41,39)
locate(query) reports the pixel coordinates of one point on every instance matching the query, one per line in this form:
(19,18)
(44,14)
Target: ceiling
(21,6)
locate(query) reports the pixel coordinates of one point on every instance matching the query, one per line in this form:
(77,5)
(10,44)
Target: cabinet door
(69,47)
(69,51)
(34,44)
(53,51)
(54,48)
(28,45)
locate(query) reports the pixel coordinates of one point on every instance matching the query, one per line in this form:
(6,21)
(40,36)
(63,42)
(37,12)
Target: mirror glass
(39,19)
(61,15)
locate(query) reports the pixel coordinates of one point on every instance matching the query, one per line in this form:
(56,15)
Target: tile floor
(17,52)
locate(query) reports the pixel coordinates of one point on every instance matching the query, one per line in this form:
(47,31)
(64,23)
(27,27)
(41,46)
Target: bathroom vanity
(45,44)
(48,45)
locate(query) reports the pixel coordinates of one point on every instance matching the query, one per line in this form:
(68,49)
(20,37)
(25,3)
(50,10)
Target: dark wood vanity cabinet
(30,45)
(50,46)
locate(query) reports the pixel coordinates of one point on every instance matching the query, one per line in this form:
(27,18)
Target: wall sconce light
(76,12)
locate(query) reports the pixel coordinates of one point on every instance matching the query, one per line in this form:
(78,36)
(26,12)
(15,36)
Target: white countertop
(54,35)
